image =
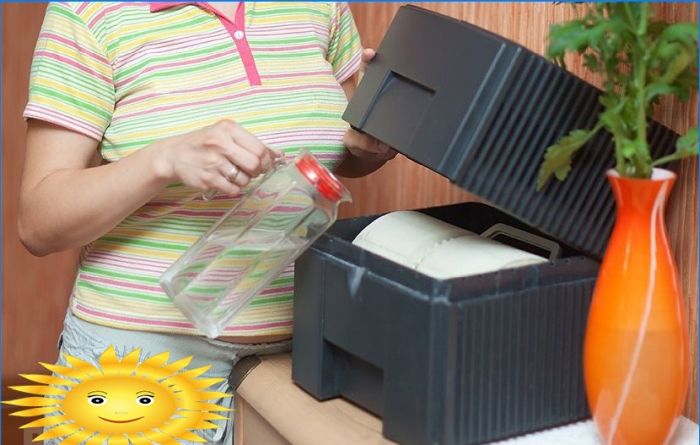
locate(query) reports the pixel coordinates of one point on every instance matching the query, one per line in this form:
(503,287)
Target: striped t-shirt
(128,74)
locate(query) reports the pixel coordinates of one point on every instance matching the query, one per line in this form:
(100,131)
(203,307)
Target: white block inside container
(438,249)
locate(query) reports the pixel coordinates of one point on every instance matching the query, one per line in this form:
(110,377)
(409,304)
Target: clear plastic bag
(254,242)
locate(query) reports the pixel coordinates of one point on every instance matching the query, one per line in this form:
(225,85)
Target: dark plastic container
(480,110)
(469,360)
(460,361)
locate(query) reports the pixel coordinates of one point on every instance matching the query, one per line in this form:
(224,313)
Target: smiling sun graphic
(121,402)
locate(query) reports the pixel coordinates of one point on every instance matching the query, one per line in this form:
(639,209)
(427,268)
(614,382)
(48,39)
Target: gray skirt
(88,341)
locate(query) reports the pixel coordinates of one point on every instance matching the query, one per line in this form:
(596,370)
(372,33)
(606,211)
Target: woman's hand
(67,199)
(366,147)
(222,157)
(365,153)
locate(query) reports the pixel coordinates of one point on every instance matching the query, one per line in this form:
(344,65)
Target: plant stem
(619,159)
(666,159)
(643,19)
(630,17)
(640,67)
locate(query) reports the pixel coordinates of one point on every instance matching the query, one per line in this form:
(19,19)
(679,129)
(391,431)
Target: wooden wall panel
(34,290)
(401,184)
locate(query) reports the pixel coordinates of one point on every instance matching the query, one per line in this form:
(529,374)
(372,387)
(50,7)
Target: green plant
(640,60)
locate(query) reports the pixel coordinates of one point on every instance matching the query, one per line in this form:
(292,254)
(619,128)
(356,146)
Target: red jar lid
(326,184)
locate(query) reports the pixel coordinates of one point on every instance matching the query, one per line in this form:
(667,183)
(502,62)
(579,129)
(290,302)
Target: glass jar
(252,244)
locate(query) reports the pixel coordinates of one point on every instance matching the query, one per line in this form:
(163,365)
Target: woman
(135,110)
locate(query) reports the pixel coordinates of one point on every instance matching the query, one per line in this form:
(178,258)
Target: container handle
(501,229)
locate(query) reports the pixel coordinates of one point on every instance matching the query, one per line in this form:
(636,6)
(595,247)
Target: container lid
(481,110)
(327,185)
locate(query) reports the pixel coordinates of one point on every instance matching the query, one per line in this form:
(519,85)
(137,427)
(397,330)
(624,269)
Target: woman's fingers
(223,156)
(248,142)
(367,55)
(223,185)
(363,145)
(244,160)
(233,173)
(276,153)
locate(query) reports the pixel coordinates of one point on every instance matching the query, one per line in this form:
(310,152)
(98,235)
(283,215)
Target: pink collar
(237,23)
(159,6)
(235,28)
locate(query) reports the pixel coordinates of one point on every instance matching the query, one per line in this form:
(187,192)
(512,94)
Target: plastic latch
(552,247)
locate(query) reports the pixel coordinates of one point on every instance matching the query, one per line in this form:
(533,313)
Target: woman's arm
(365,153)
(66,202)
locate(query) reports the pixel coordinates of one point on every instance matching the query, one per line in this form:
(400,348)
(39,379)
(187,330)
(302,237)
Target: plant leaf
(568,36)
(655,28)
(687,80)
(686,145)
(678,64)
(629,148)
(685,32)
(590,61)
(657,89)
(680,89)
(557,158)
(640,60)
(612,116)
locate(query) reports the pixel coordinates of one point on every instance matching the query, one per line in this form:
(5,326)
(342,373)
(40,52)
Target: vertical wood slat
(402,184)
(34,290)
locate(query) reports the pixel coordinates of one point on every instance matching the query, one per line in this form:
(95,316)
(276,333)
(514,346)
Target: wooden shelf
(270,409)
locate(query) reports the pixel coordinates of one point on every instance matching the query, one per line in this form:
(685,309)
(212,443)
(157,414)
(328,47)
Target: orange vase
(636,349)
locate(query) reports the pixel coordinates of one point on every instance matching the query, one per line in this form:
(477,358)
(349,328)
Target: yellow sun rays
(193,408)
